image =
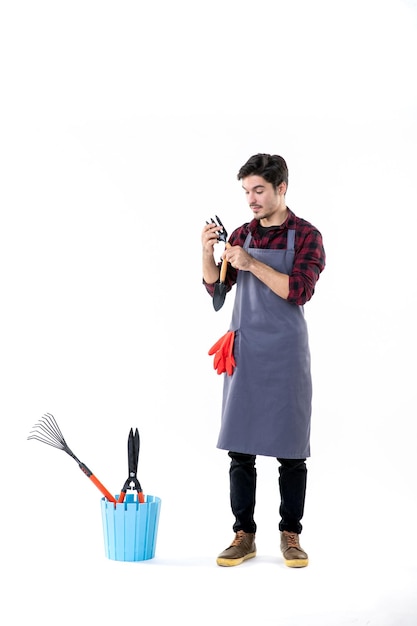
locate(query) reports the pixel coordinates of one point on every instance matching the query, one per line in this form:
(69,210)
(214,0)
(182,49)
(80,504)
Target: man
(275,261)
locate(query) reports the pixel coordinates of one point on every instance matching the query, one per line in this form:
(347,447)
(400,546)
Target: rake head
(47,431)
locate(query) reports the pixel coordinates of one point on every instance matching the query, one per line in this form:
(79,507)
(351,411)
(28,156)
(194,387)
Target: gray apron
(267,400)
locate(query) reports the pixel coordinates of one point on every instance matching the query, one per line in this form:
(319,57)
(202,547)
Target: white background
(123,126)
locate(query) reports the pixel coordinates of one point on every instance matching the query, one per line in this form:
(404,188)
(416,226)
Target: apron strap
(247,241)
(290,239)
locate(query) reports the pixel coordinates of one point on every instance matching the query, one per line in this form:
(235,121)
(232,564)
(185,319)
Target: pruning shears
(132,482)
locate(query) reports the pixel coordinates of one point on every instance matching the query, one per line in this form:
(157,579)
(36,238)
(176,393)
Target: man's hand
(238,258)
(241,260)
(209,238)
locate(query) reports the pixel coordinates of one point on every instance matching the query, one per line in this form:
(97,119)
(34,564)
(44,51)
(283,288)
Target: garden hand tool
(221,234)
(132,482)
(220,289)
(219,295)
(47,431)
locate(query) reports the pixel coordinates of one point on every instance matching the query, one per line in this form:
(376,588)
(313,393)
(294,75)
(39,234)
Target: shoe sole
(232,562)
(296,562)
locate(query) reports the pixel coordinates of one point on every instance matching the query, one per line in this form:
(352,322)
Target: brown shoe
(294,556)
(242,548)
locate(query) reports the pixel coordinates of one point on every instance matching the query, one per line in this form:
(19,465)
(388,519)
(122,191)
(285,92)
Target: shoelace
(240,535)
(292,540)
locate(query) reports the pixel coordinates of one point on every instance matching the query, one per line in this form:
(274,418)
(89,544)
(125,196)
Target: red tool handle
(141,497)
(102,488)
(83,467)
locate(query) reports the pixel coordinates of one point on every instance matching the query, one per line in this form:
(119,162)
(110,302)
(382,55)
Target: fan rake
(47,431)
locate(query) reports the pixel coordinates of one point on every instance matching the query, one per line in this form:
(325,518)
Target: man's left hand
(238,258)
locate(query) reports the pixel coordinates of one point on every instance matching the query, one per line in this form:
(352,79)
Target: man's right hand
(209,237)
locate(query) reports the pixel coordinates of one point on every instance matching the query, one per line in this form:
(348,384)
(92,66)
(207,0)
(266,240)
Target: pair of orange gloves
(224,360)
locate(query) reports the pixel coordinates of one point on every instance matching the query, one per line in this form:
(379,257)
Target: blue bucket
(131,528)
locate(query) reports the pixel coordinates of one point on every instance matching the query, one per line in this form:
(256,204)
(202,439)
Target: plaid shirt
(309,259)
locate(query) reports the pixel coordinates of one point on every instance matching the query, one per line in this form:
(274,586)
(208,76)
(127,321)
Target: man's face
(265,201)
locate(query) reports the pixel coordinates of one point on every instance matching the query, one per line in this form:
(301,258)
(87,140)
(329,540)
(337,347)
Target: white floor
(55,570)
(73,582)
(193,590)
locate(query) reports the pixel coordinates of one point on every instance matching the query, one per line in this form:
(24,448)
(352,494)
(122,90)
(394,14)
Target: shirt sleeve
(209,287)
(230,280)
(309,262)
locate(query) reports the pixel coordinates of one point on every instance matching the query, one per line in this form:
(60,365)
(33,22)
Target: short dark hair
(271,167)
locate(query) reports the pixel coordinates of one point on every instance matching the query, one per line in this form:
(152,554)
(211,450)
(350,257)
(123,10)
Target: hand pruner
(132,481)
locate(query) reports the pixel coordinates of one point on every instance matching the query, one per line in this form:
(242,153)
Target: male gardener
(275,261)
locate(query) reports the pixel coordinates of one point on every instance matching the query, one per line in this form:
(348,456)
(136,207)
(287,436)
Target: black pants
(292,483)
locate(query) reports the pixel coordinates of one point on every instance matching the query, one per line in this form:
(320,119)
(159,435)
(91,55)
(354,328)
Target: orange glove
(224,360)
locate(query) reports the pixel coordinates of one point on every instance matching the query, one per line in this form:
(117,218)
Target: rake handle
(97,483)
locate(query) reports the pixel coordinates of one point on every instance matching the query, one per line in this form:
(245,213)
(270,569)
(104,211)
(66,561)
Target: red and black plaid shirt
(309,259)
